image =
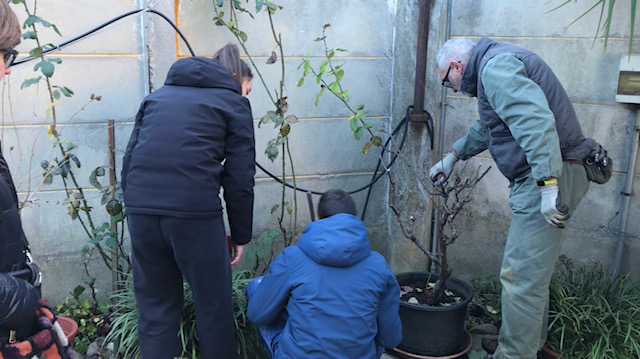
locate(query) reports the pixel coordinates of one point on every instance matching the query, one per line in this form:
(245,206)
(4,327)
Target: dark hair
(10,34)
(229,58)
(335,201)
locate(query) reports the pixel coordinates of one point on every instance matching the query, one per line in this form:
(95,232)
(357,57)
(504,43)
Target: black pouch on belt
(598,164)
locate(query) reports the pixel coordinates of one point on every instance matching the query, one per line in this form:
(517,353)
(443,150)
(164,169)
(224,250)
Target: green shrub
(592,316)
(92,319)
(124,330)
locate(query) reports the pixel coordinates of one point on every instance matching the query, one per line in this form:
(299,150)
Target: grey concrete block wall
(127,60)
(589,74)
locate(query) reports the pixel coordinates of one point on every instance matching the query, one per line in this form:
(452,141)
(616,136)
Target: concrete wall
(589,75)
(130,58)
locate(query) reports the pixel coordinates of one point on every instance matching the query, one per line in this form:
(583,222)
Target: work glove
(551,207)
(441,170)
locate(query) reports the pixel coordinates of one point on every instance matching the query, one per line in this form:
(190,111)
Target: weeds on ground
(591,315)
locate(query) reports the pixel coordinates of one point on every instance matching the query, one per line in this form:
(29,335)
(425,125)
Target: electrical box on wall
(628,90)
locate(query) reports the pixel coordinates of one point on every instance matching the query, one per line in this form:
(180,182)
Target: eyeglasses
(9,56)
(445,80)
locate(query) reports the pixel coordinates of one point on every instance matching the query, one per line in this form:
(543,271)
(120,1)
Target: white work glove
(441,170)
(551,207)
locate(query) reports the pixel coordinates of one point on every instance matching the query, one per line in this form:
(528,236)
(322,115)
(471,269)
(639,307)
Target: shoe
(490,343)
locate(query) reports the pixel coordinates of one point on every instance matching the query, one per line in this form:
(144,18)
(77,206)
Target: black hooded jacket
(191,137)
(12,240)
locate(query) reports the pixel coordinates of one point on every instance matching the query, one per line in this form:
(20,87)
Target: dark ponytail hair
(229,58)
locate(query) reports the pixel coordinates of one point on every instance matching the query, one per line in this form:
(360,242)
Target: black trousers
(164,249)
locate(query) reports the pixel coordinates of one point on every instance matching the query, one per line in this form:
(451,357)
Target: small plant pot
(549,354)
(434,331)
(69,328)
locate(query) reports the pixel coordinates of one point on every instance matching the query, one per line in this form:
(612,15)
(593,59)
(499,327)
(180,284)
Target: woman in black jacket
(18,298)
(191,137)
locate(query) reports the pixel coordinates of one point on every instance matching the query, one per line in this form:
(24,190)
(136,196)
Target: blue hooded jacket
(341,297)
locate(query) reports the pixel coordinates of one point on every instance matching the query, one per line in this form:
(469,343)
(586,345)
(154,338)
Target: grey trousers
(532,249)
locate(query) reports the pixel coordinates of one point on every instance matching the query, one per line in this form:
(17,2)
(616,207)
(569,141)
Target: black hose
(29,58)
(376,175)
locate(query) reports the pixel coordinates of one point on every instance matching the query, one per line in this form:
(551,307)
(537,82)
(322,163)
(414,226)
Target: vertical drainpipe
(627,197)
(443,104)
(387,198)
(144,56)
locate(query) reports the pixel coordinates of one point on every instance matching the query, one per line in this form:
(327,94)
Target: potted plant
(433,306)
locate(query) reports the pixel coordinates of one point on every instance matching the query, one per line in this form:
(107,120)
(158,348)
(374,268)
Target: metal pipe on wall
(624,217)
(418,116)
(443,104)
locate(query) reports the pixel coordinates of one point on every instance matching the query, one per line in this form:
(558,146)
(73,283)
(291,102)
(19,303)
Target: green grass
(124,330)
(592,316)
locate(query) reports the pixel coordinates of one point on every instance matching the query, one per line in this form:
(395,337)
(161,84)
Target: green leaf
(35,52)
(259,5)
(89,280)
(55,59)
(353,123)
(358,133)
(359,107)
(65,90)
(339,75)
(56,94)
(55,28)
(28,82)
(301,81)
(220,3)
(77,291)
(318,96)
(31,20)
(96,239)
(334,87)
(307,67)
(323,67)
(271,5)
(29,35)
(111,242)
(242,36)
(45,67)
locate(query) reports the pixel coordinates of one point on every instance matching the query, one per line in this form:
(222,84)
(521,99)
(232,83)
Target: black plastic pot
(431,330)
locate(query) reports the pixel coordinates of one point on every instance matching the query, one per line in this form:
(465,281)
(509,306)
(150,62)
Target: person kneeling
(330,295)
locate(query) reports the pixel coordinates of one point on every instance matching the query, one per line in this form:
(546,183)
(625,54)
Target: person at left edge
(191,137)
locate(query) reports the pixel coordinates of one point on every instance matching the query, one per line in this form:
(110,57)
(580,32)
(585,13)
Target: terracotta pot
(69,327)
(550,354)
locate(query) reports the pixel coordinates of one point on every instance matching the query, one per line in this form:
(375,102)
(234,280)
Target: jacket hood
(469,83)
(337,241)
(200,72)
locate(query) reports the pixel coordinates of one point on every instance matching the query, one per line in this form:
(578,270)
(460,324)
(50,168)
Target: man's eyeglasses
(9,56)
(445,80)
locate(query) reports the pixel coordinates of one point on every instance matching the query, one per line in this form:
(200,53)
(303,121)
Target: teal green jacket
(526,119)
